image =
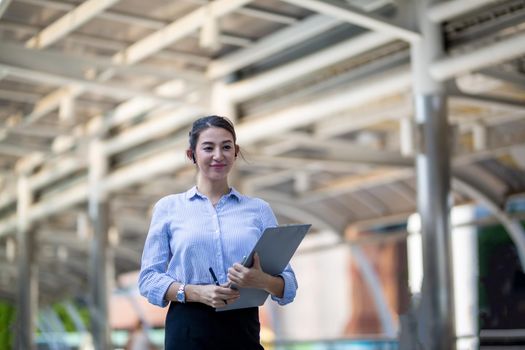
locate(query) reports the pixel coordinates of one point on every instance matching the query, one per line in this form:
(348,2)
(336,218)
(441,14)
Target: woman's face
(215,153)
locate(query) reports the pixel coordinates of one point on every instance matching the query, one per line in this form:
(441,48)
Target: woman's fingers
(236,273)
(256,262)
(245,277)
(223,296)
(226,293)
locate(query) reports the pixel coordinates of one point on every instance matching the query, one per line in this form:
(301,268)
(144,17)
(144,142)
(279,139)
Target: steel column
(436,308)
(101,255)
(27,298)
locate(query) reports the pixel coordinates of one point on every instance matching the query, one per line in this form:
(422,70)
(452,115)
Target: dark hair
(208,122)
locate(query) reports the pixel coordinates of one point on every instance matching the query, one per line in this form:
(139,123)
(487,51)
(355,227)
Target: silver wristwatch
(181,294)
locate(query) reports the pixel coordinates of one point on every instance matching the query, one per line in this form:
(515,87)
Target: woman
(209,226)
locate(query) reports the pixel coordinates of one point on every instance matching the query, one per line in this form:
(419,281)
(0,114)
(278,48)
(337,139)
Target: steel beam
(446,68)
(362,118)
(353,153)
(477,59)
(116,45)
(271,44)
(175,31)
(155,23)
(332,164)
(15,151)
(266,15)
(18,96)
(123,113)
(257,13)
(358,17)
(38,131)
(353,183)
(50,102)
(251,132)
(356,182)
(115,91)
(359,94)
(248,88)
(484,100)
(513,78)
(148,130)
(68,23)
(127,18)
(445,10)
(151,42)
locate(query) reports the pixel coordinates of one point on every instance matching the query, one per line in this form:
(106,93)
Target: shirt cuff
(157,295)
(290,288)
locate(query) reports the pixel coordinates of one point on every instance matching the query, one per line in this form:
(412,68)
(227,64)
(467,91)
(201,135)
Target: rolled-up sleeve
(153,280)
(288,275)
(290,286)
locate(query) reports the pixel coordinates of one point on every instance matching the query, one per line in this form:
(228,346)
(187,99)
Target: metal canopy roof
(320,92)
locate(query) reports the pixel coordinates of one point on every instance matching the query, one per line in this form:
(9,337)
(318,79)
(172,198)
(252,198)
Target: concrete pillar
(27,296)
(101,256)
(436,308)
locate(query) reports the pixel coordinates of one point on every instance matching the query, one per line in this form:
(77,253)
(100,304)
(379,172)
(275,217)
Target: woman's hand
(245,277)
(212,295)
(255,277)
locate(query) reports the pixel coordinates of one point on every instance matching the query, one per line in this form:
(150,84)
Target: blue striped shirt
(188,235)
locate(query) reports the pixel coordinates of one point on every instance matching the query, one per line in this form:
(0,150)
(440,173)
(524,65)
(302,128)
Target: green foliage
(84,315)
(7,319)
(60,309)
(65,317)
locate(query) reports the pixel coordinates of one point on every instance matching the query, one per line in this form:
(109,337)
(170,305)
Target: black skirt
(196,326)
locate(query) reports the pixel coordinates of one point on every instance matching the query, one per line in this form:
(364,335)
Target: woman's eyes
(210,149)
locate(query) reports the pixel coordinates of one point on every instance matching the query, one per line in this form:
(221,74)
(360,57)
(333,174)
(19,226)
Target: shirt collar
(235,194)
(193,193)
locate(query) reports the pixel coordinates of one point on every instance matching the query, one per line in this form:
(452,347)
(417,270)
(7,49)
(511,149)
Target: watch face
(181,297)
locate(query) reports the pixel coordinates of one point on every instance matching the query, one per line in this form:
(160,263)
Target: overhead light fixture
(210,33)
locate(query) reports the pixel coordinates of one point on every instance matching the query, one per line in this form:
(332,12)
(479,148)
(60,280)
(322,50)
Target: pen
(214,277)
(216,282)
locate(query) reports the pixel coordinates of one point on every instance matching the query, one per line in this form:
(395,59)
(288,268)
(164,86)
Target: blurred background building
(395,127)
